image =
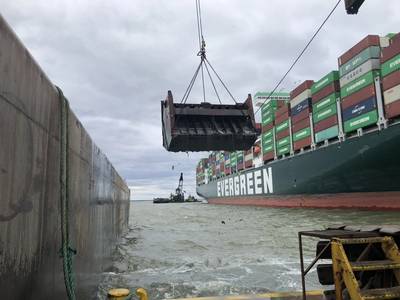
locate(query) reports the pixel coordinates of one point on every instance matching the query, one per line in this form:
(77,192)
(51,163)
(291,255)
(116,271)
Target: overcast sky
(115,61)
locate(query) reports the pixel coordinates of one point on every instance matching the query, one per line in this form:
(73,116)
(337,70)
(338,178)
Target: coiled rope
(66,251)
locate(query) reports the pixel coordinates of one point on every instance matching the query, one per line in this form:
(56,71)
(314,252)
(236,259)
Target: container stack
(268,147)
(359,67)
(283,139)
(221,164)
(233,158)
(200,171)
(390,72)
(301,107)
(268,121)
(209,174)
(248,158)
(217,165)
(325,98)
(212,166)
(227,163)
(240,160)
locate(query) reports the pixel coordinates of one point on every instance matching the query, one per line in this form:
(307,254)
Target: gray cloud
(115,61)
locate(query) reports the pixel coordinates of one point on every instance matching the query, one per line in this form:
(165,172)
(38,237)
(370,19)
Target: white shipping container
(369,65)
(301,97)
(391,95)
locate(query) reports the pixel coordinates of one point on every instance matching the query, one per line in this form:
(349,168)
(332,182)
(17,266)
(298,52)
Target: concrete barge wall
(30,215)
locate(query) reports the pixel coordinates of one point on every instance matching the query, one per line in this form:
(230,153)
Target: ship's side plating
(30,229)
(360,172)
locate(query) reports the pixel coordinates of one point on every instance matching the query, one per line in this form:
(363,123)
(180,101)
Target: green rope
(66,251)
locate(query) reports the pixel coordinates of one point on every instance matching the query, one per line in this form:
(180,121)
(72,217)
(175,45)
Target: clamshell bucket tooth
(207,127)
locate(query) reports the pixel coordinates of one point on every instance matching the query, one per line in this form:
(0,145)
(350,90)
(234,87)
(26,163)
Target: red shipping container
(281,103)
(357,97)
(326,91)
(240,166)
(391,80)
(248,164)
(281,118)
(268,156)
(392,110)
(395,39)
(303,143)
(391,51)
(301,116)
(227,170)
(282,110)
(325,124)
(368,41)
(282,134)
(267,127)
(301,88)
(301,125)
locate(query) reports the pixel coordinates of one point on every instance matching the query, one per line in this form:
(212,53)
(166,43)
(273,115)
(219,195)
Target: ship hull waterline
(361,172)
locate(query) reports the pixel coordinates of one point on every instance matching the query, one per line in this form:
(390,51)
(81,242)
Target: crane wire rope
(300,55)
(203,64)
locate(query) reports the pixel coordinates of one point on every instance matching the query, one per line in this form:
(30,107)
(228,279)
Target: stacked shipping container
(390,71)
(268,132)
(301,126)
(359,69)
(240,160)
(339,103)
(233,164)
(200,171)
(325,98)
(248,158)
(227,163)
(283,138)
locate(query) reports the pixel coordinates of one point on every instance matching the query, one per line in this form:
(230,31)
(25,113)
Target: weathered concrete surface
(30,234)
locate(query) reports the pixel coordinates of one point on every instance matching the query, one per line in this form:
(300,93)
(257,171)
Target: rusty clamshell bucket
(207,127)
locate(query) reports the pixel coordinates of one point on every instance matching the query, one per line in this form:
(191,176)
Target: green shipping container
(324,81)
(359,83)
(324,103)
(233,159)
(267,141)
(327,134)
(282,126)
(283,150)
(391,65)
(283,142)
(268,148)
(268,134)
(301,134)
(324,113)
(239,156)
(358,60)
(270,105)
(267,118)
(361,121)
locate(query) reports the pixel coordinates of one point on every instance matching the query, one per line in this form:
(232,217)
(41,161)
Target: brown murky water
(177,250)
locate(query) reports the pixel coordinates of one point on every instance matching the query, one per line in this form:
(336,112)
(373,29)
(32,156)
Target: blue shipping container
(359,108)
(300,107)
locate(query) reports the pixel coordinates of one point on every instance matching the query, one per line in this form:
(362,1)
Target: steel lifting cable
(300,55)
(66,251)
(203,64)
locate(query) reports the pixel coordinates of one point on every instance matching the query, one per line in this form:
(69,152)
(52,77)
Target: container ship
(329,143)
